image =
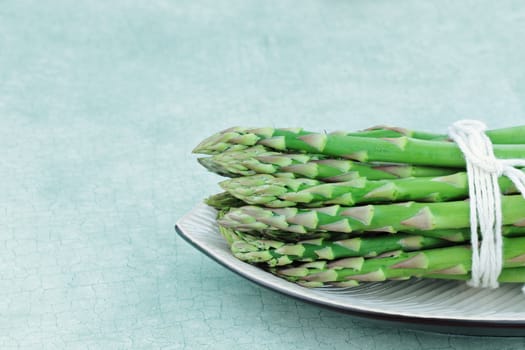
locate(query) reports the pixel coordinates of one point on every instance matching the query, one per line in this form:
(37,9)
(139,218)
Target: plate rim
(458,326)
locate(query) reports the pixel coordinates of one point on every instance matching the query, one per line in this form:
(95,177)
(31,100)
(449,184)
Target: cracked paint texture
(101,103)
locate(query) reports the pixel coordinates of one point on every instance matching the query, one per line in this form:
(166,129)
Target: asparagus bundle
(344,208)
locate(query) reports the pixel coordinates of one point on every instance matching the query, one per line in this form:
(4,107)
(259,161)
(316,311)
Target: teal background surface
(101,103)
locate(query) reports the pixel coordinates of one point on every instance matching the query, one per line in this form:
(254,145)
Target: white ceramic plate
(440,306)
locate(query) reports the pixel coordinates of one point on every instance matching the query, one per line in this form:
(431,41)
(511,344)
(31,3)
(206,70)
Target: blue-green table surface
(101,103)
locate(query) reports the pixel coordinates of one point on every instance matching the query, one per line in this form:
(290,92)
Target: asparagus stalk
(512,135)
(394,131)
(452,235)
(453,261)
(507,275)
(256,250)
(392,218)
(363,149)
(224,201)
(278,192)
(463,234)
(260,160)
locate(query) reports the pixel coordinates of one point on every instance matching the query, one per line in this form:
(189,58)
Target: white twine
(483,171)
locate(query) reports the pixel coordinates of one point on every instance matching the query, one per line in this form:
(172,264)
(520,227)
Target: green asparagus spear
(363,149)
(224,201)
(507,275)
(463,234)
(260,160)
(394,131)
(392,218)
(256,250)
(278,192)
(511,135)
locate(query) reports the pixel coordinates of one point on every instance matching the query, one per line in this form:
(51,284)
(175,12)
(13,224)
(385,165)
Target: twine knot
(483,171)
